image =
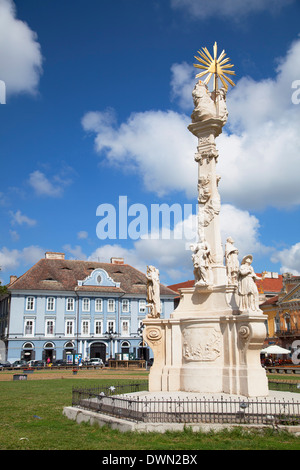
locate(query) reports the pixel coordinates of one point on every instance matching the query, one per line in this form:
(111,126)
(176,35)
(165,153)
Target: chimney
(117,260)
(13,279)
(53,255)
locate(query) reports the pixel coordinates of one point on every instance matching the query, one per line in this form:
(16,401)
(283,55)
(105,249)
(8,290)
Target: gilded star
(219,67)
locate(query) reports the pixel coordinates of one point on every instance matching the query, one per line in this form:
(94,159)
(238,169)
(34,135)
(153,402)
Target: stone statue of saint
(153,291)
(247,289)
(209,105)
(202,261)
(231,261)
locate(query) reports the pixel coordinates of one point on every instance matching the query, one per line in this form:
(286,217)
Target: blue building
(62,307)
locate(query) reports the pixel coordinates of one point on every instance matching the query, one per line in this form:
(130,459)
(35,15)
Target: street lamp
(110,334)
(140,332)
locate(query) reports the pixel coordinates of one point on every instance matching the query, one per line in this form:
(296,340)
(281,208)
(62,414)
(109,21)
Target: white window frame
(47,323)
(142,306)
(50,300)
(97,307)
(86,304)
(98,323)
(30,303)
(85,325)
(109,309)
(69,323)
(125,306)
(127,332)
(32,328)
(111,324)
(70,304)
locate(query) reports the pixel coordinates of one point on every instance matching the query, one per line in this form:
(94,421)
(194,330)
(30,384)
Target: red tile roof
(268,284)
(265,284)
(63,275)
(180,285)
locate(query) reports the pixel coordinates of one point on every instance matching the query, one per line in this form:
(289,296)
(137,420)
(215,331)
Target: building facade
(61,307)
(283,312)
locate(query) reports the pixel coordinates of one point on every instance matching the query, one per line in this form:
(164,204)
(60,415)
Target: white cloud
(228,8)
(243,228)
(12,259)
(259,147)
(14,235)
(44,187)
(182,84)
(289,259)
(76,252)
(20,219)
(9,259)
(156,144)
(20,52)
(259,161)
(82,235)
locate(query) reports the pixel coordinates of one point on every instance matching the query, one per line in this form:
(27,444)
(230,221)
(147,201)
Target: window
(50,304)
(85,305)
(85,327)
(98,305)
(98,327)
(277,324)
(49,327)
(142,306)
(111,326)
(125,306)
(29,327)
(30,303)
(69,331)
(125,328)
(111,305)
(70,304)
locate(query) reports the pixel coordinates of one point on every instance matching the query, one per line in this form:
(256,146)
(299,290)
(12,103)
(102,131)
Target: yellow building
(283,312)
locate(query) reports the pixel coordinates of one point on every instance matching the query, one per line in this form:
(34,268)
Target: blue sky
(98,99)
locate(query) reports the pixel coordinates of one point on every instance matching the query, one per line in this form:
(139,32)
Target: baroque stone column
(210,344)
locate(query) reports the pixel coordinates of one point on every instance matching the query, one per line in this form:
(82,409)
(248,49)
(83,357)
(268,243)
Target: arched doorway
(125,346)
(69,350)
(28,353)
(98,350)
(143,351)
(49,353)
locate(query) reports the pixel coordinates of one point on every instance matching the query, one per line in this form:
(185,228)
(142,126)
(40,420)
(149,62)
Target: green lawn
(31,418)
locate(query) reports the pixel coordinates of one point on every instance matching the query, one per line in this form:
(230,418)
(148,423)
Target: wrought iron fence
(194,410)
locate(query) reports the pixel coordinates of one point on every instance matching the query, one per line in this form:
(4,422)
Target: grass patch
(32,419)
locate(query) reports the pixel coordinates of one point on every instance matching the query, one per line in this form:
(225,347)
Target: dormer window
(99,279)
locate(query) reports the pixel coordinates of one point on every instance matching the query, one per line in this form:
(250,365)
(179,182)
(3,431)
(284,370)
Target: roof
(181,285)
(269,284)
(63,275)
(265,284)
(271,301)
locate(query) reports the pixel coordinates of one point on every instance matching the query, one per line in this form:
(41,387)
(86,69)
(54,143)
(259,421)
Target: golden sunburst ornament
(219,67)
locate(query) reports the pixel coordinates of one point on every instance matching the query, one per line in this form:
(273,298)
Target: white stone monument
(212,341)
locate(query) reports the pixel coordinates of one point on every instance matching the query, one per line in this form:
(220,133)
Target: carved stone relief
(201,344)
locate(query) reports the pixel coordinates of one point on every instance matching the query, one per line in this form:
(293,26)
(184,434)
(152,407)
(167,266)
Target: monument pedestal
(207,348)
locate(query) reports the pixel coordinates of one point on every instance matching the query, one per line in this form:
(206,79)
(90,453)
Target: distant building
(283,311)
(62,307)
